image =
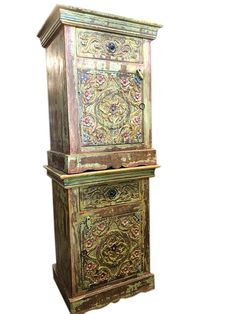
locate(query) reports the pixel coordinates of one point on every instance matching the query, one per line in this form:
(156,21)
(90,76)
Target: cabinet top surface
(94,177)
(84,18)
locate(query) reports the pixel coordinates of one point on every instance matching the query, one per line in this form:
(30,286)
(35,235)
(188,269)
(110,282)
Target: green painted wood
(69,181)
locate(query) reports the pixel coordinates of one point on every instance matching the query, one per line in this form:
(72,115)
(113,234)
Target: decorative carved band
(103,195)
(108,46)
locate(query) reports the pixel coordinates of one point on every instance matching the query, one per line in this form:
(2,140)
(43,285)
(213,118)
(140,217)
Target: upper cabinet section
(95,20)
(99,86)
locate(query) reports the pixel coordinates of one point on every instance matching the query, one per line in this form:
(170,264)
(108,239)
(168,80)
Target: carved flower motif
(125,222)
(135,231)
(114,249)
(87,121)
(101,226)
(125,135)
(100,79)
(103,276)
(87,95)
(99,136)
(137,96)
(89,243)
(90,266)
(125,270)
(125,82)
(136,254)
(136,120)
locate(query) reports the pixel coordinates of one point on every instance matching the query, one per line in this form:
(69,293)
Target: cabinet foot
(103,296)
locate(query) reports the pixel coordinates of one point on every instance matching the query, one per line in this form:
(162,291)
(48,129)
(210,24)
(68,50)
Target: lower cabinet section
(102,236)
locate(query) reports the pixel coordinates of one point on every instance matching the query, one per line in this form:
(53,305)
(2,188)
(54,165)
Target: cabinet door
(112,247)
(110,107)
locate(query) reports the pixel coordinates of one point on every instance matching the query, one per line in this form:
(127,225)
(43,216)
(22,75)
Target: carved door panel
(111,107)
(111,247)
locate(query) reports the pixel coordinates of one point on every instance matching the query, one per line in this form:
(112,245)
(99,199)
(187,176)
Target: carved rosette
(110,107)
(111,248)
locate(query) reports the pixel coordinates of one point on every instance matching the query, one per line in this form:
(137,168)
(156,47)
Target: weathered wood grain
(57,94)
(82,162)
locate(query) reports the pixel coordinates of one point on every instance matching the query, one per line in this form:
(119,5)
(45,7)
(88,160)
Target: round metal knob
(112,193)
(111,46)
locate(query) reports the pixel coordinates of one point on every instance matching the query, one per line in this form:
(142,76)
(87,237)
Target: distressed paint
(65,15)
(99,82)
(103,296)
(111,111)
(94,161)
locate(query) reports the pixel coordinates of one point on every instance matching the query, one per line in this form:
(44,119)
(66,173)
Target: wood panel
(62,234)
(57,95)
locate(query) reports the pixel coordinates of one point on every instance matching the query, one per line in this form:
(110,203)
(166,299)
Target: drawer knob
(111,47)
(112,193)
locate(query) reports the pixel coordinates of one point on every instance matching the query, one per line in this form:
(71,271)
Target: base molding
(78,163)
(101,297)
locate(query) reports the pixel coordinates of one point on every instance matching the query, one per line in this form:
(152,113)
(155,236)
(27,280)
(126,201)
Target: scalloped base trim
(101,297)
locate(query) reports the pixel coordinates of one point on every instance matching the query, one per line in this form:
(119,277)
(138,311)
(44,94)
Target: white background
(192,196)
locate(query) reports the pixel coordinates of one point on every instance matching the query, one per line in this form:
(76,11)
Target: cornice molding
(63,15)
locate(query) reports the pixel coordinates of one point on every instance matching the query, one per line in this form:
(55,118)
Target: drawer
(111,247)
(99,45)
(110,194)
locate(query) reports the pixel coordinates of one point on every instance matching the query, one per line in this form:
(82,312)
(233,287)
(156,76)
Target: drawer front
(98,45)
(111,108)
(110,194)
(111,248)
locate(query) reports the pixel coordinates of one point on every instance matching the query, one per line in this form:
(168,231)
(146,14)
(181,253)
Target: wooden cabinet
(102,235)
(99,83)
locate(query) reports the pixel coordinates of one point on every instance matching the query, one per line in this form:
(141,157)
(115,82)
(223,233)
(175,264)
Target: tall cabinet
(101,156)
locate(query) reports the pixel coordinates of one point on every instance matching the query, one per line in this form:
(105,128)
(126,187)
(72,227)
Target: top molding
(67,15)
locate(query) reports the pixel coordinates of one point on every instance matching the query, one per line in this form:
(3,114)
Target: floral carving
(110,108)
(111,248)
(103,195)
(96,45)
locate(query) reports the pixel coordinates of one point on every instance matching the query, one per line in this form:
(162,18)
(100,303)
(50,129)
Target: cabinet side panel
(147,94)
(75,240)
(71,73)
(62,236)
(57,94)
(146,227)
